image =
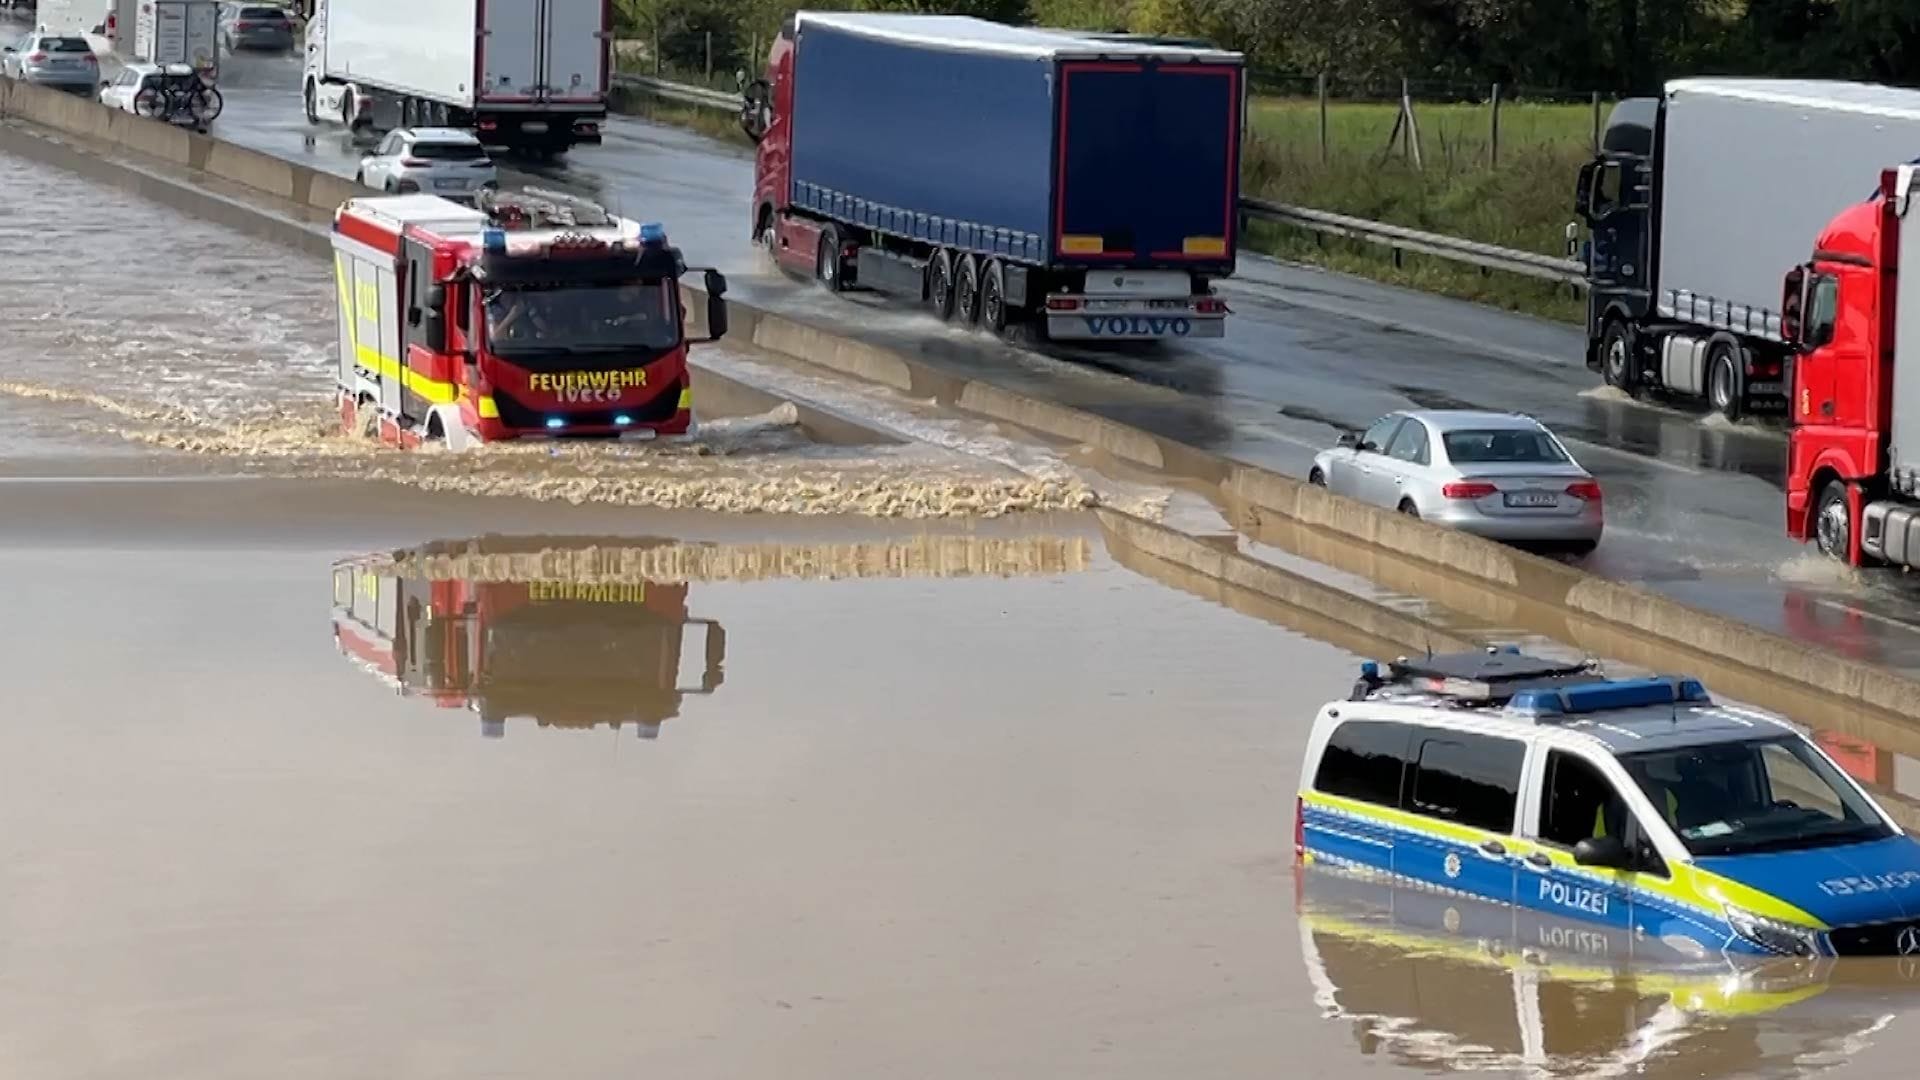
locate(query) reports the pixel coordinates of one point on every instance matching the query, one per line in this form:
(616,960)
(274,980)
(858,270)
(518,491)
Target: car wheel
(1407,508)
(1833,522)
(1317,478)
(1616,356)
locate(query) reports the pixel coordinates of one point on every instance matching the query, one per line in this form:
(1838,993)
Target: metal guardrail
(1396,238)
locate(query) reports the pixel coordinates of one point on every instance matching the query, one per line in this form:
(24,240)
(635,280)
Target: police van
(1639,806)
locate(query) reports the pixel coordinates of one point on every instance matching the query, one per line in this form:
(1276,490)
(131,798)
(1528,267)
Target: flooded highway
(1694,506)
(718,795)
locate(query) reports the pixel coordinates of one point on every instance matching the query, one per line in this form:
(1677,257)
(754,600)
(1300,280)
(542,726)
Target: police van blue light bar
(1608,696)
(653,233)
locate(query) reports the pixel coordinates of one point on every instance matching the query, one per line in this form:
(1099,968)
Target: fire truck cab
(530,313)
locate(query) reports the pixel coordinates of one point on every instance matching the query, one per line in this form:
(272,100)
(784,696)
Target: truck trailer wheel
(966,291)
(1724,390)
(1617,362)
(940,283)
(1833,522)
(993,297)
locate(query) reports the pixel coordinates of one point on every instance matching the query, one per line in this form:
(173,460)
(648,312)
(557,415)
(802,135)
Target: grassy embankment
(1524,203)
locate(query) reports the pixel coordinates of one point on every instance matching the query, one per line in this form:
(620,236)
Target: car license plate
(1772,389)
(1532,498)
(534,127)
(450,185)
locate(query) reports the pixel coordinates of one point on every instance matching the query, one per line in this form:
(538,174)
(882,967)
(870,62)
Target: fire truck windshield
(630,317)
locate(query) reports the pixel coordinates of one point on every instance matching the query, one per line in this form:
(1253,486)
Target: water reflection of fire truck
(563,653)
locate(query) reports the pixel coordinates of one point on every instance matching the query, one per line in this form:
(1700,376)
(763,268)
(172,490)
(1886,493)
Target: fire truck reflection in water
(560,653)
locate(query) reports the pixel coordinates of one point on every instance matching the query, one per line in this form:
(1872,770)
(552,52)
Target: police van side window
(1364,760)
(1471,780)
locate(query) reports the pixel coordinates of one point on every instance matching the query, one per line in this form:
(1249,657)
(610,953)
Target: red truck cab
(1850,489)
(531,314)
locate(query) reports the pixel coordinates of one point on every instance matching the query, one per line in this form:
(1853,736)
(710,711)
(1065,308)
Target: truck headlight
(1773,935)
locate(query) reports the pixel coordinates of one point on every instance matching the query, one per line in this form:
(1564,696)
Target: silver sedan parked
(1498,475)
(60,61)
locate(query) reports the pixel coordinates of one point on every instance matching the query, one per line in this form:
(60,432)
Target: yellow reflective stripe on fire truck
(370,356)
(487,408)
(686,397)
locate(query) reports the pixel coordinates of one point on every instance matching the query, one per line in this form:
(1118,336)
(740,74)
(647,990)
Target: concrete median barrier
(1587,606)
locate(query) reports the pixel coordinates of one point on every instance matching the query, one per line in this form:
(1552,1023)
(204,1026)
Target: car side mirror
(1605,852)
(714,284)
(1349,440)
(433,318)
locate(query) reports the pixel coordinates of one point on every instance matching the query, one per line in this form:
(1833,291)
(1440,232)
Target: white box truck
(526,75)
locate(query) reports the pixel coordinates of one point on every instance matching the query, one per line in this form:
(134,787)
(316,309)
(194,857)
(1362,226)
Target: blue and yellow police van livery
(1636,806)
(1438,983)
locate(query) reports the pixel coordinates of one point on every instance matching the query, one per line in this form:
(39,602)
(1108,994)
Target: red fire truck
(527,313)
(564,654)
(1853,459)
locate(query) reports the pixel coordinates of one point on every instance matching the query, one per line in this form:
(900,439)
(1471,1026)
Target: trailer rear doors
(544,50)
(1148,162)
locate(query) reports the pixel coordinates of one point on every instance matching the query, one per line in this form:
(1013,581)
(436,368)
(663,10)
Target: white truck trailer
(168,32)
(525,75)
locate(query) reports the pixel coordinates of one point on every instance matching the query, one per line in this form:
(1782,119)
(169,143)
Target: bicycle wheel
(204,103)
(152,102)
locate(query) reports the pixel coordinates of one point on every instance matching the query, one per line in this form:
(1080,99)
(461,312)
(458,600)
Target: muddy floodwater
(332,780)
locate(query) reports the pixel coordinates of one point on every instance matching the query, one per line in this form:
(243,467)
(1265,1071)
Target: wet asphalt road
(1694,507)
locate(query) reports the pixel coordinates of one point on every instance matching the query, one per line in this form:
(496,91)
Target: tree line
(1572,45)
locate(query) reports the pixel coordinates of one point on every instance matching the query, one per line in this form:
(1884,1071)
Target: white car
(437,161)
(175,92)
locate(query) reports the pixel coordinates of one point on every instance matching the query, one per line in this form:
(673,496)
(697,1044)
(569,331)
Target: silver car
(1498,475)
(266,27)
(446,162)
(59,61)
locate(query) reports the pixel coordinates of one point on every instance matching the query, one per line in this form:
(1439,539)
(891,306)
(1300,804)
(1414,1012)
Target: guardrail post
(1493,142)
(1320,91)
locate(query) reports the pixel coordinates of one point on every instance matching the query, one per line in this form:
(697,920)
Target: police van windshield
(581,319)
(1755,796)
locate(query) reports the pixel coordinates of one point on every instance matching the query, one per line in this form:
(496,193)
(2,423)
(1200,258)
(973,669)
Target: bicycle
(182,92)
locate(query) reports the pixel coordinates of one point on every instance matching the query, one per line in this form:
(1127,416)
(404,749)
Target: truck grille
(516,415)
(1900,938)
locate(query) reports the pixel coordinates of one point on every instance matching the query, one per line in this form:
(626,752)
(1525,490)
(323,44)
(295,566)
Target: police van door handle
(1494,848)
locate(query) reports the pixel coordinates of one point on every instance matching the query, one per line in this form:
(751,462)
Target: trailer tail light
(1299,827)
(1767,371)
(586,127)
(1210,305)
(487,125)
(1585,489)
(1468,490)
(1063,303)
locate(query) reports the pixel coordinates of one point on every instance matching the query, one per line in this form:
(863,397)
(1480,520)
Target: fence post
(656,49)
(1493,144)
(1596,121)
(709,36)
(1321,91)
(1413,128)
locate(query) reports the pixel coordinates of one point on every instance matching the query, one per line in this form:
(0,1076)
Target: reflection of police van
(1442,983)
(1636,806)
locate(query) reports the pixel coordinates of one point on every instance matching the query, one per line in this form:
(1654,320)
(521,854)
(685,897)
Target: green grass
(1523,201)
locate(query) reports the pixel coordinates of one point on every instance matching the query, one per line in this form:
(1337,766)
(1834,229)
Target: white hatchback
(435,161)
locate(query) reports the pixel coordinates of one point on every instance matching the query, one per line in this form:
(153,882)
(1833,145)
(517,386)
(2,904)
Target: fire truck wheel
(1833,522)
(1723,379)
(1616,356)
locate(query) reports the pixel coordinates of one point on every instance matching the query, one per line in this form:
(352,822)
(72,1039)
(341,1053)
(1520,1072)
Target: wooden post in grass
(1493,142)
(656,48)
(709,38)
(1320,89)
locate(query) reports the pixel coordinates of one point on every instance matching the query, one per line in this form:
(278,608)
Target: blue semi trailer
(1089,186)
